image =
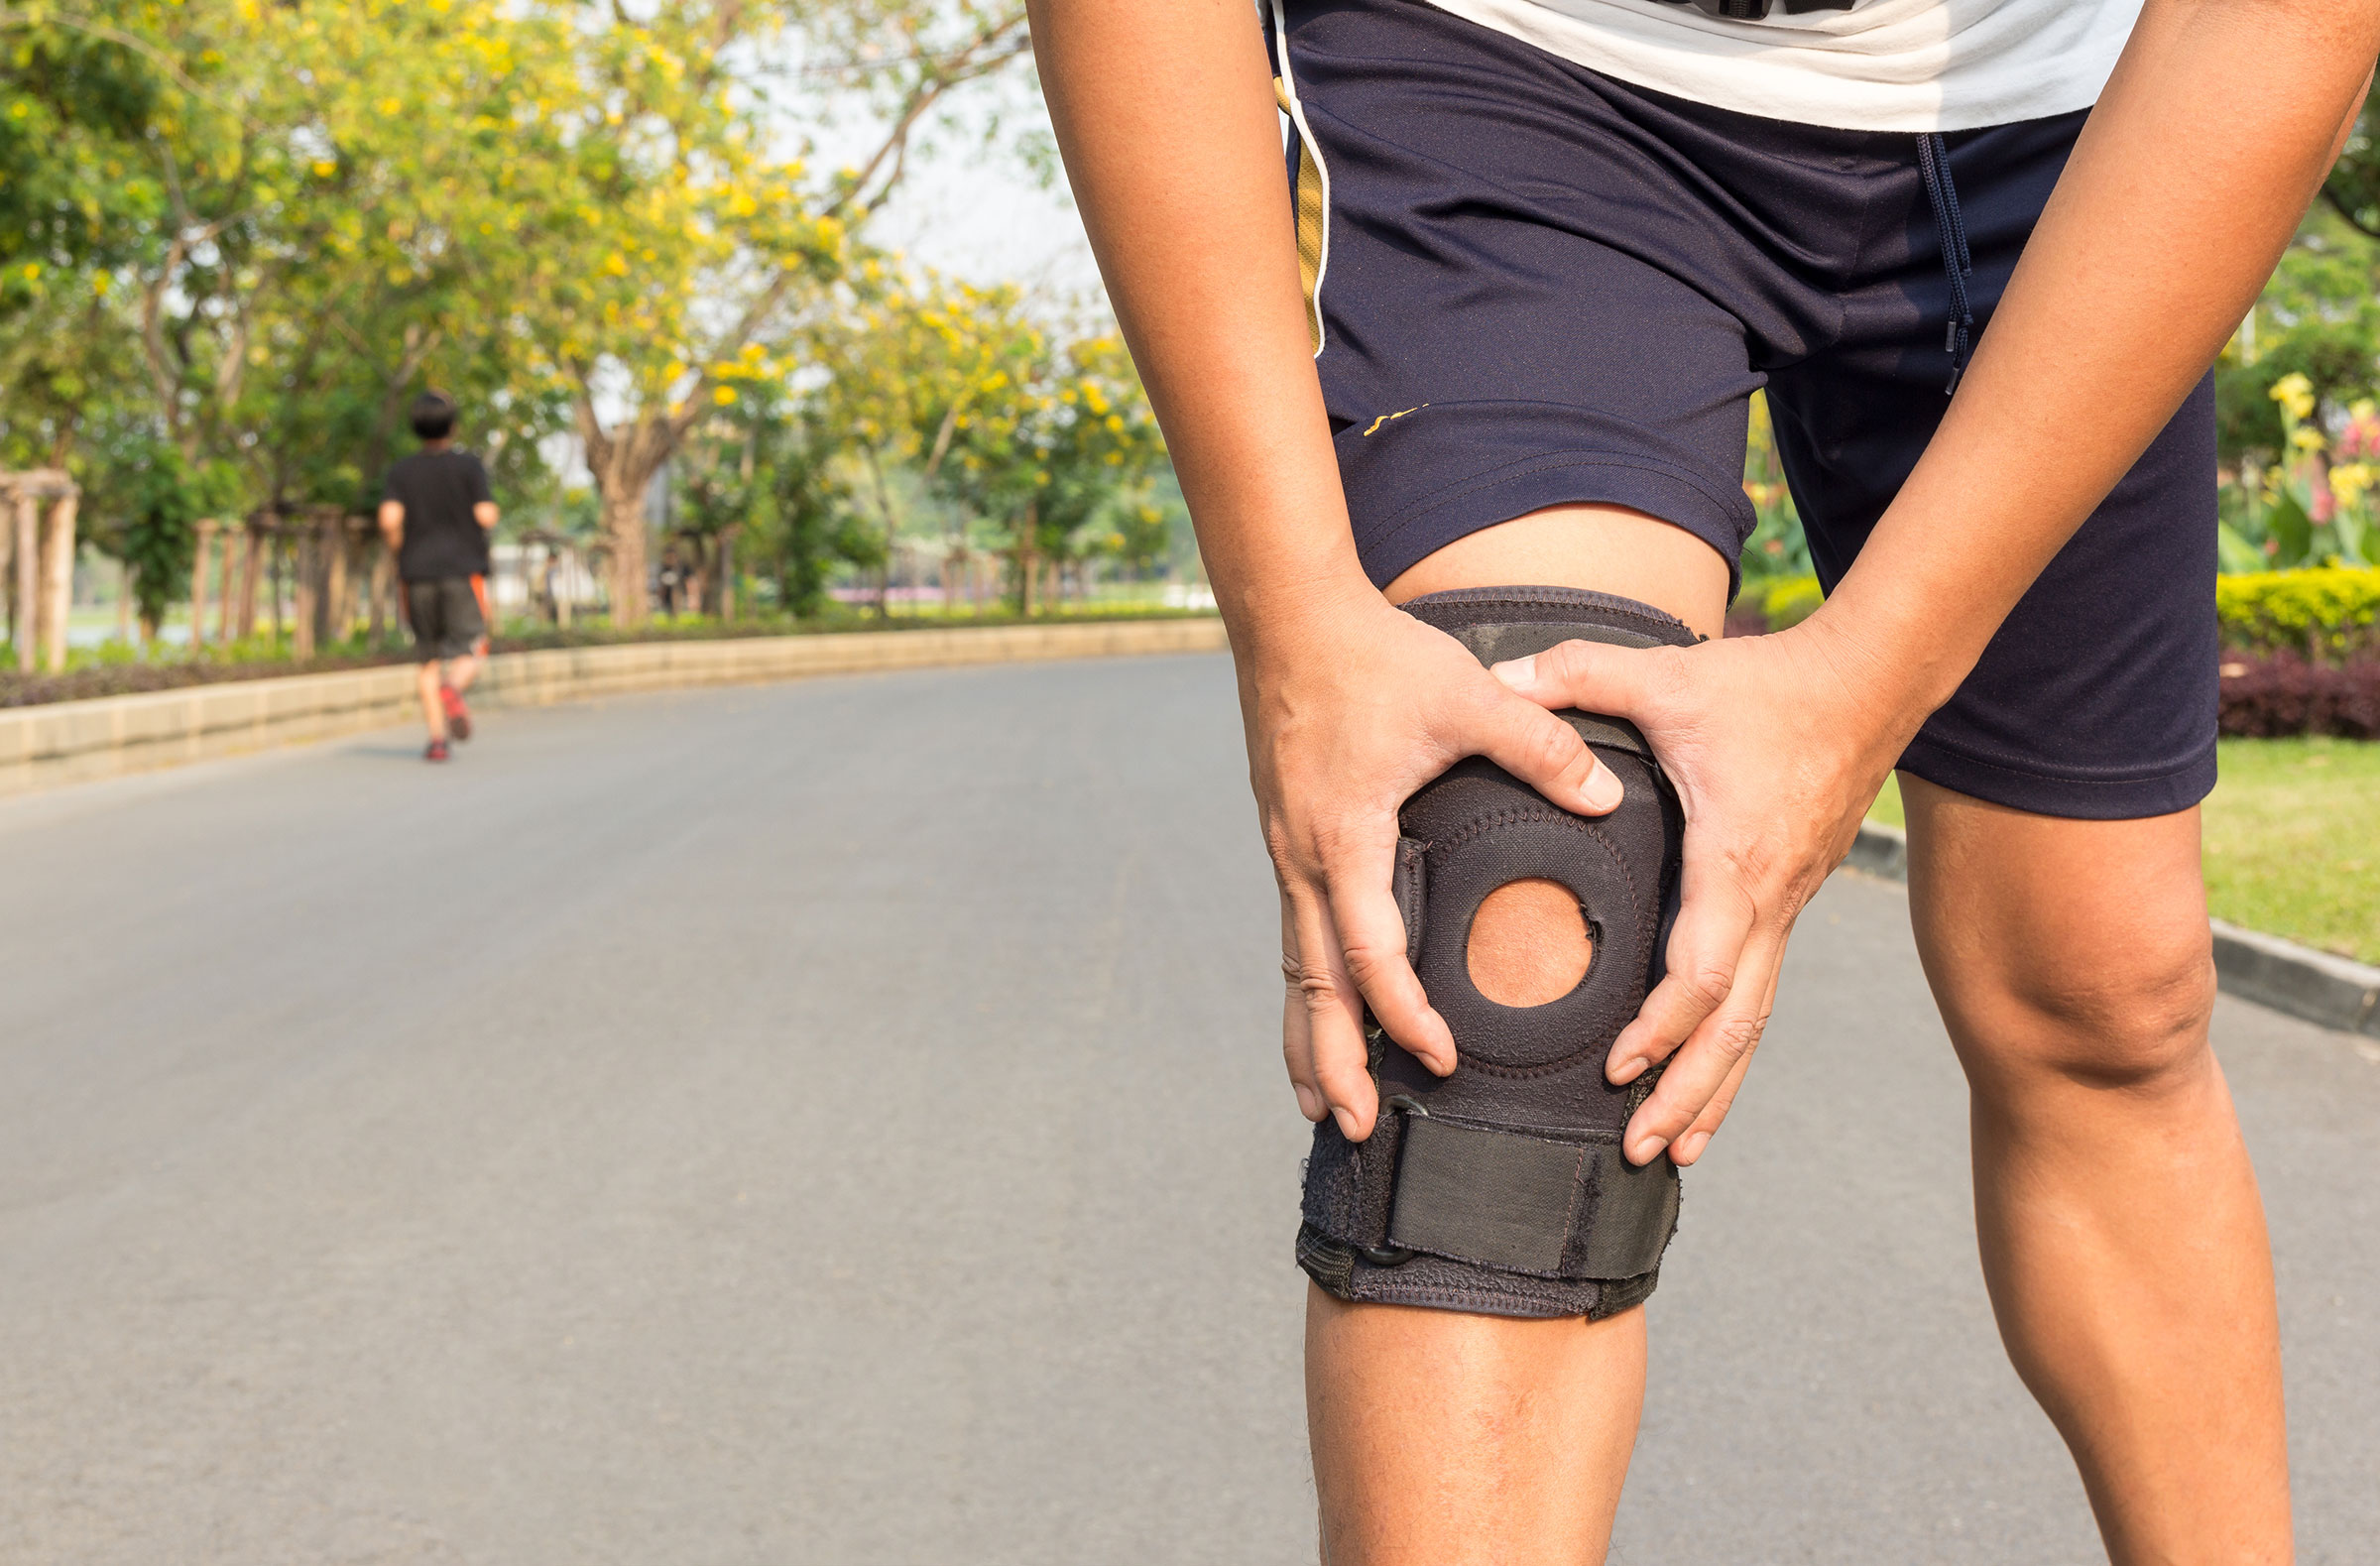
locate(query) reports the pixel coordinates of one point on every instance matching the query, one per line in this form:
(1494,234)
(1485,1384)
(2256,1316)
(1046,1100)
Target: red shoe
(458,717)
(436,751)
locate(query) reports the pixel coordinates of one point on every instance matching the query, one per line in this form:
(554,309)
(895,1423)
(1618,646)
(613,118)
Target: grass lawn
(2293,840)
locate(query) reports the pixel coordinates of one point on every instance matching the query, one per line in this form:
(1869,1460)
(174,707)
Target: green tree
(669,234)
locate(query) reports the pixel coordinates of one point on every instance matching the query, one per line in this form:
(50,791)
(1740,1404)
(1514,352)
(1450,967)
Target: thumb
(1529,742)
(1592,676)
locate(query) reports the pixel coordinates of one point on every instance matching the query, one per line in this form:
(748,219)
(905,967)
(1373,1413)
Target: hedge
(1791,601)
(2282,695)
(2328,614)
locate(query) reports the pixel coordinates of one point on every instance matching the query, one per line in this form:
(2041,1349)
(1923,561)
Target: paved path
(840,1123)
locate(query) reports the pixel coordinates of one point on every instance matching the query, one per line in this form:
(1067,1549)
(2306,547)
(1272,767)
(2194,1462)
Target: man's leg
(460,672)
(1447,1438)
(2122,1236)
(434,706)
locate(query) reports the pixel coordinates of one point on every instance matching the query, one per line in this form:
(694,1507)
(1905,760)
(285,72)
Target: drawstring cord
(1933,162)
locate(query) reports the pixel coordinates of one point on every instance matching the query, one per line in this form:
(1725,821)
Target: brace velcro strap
(1528,1203)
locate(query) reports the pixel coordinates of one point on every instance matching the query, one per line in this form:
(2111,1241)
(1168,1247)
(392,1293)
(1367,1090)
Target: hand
(1776,745)
(1349,707)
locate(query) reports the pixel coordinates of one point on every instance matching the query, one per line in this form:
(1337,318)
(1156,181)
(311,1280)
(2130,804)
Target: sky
(986,219)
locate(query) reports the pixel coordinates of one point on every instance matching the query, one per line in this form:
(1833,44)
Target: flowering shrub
(2328,614)
(2315,504)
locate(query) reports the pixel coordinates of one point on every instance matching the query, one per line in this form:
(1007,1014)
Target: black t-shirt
(437,490)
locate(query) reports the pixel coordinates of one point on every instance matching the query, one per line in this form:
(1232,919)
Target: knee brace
(1502,1189)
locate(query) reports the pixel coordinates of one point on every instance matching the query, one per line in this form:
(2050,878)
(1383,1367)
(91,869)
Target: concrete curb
(2335,992)
(77,741)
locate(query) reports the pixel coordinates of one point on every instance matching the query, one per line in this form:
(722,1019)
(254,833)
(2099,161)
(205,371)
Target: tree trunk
(57,581)
(310,598)
(1028,557)
(332,618)
(8,574)
(235,548)
(252,551)
(727,568)
(624,461)
(27,553)
(200,554)
(623,531)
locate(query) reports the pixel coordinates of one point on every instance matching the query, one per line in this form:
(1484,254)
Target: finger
(1592,676)
(1542,750)
(1371,932)
(1703,956)
(1689,1147)
(1334,1018)
(1704,1061)
(1297,1029)
(1690,1144)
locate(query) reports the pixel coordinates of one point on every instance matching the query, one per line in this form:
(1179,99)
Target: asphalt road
(842,1123)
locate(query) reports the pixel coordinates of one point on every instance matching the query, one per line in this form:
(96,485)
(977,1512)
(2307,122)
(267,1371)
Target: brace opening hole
(1529,943)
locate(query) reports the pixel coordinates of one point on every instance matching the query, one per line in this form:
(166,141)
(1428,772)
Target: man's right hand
(1351,705)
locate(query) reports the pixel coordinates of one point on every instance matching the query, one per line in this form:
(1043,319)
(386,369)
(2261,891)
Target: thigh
(2061,945)
(466,611)
(425,614)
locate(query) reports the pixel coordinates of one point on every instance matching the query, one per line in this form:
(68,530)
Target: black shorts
(1535,284)
(448,614)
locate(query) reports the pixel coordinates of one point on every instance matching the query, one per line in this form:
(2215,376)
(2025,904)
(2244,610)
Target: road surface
(842,1121)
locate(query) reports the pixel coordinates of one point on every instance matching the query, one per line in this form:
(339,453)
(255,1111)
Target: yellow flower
(723,395)
(2295,394)
(2349,481)
(2306,439)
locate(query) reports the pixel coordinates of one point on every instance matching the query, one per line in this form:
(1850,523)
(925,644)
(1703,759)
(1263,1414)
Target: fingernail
(1346,1123)
(1690,1148)
(1307,1104)
(1517,671)
(1645,1149)
(1604,788)
(1623,1072)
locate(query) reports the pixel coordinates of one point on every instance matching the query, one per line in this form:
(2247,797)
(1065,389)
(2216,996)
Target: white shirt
(1883,66)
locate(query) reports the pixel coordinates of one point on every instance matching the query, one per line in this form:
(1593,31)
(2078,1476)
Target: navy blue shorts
(1534,285)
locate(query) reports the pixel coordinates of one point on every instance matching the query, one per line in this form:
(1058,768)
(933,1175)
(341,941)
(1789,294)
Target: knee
(2128,1019)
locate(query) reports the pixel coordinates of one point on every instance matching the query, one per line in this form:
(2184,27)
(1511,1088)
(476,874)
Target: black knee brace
(1502,1189)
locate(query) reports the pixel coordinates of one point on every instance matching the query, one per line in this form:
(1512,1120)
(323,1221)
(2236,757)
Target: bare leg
(434,707)
(1448,1438)
(1441,1437)
(2122,1236)
(460,672)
